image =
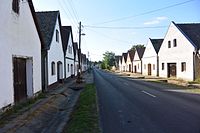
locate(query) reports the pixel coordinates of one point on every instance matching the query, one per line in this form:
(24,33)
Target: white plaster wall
(55,54)
(19,38)
(70,57)
(152,61)
(149,57)
(76,64)
(84,67)
(136,62)
(128,62)
(123,64)
(182,53)
(120,66)
(76,68)
(68,61)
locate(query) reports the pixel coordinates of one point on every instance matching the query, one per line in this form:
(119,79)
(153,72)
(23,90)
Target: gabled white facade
(120,64)
(19,40)
(84,63)
(150,60)
(76,66)
(129,67)
(55,55)
(137,63)
(124,65)
(69,57)
(172,59)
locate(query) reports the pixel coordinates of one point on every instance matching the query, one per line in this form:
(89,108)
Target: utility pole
(79,80)
(79,47)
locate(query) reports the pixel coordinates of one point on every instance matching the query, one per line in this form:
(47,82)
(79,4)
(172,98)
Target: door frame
(71,70)
(135,69)
(169,70)
(19,79)
(59,71)
(129,67)
(149,69)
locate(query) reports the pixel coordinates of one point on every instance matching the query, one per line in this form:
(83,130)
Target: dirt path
(50,114)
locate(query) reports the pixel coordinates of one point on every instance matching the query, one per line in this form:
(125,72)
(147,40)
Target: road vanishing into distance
(129,105)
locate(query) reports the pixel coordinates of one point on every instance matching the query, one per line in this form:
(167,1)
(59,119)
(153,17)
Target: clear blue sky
(120,13)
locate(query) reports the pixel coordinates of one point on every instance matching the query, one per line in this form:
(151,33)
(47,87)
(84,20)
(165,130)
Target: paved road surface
(135,106)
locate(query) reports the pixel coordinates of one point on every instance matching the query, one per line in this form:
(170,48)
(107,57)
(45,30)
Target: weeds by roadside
(84,119)
(186,89)
(19,108)
(197,81)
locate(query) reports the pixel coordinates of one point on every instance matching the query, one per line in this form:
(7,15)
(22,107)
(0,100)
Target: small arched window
(175,42)
(169,44)
(67,67)
(15,6)
(57,36)
(53,67)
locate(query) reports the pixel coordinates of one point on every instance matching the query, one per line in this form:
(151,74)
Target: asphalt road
(134,106)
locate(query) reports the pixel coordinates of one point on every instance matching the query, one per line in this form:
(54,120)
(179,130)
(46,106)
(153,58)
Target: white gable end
(149,50)
(123,64)
(149,60)
(129,63)
(176,55)
(70,58)
(55,54)
(19,39)
(137,65)
(136,57)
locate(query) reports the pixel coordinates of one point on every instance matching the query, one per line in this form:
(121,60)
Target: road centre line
(149,94)
(126,83)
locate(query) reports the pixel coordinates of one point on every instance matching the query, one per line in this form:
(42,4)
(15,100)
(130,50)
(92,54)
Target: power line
(74,9)
(145,13)
(126,28)
(72,22)
(72,14)
(111,38)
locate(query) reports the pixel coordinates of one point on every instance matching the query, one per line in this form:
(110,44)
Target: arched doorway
(59,71)
(72,72)
(149,69)
(129,67)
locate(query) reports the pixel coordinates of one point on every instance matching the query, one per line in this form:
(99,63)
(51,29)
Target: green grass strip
(85,119)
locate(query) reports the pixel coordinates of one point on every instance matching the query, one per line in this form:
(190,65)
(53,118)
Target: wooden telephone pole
(79,78)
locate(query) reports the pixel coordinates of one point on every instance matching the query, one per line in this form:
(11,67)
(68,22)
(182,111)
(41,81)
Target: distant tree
(103,65)
(137,46)
(108,60)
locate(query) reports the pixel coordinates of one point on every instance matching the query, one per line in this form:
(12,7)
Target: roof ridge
(47,11)
(191,31)
(156,39)
(47,21)
(188,23)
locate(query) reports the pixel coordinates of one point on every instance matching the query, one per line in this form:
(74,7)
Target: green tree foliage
(137,46)
(108,60)
(103,65)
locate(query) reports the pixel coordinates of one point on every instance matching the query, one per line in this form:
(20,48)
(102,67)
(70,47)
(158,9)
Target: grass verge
(194,91)
(181,87)
(197,81)
(84,118)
